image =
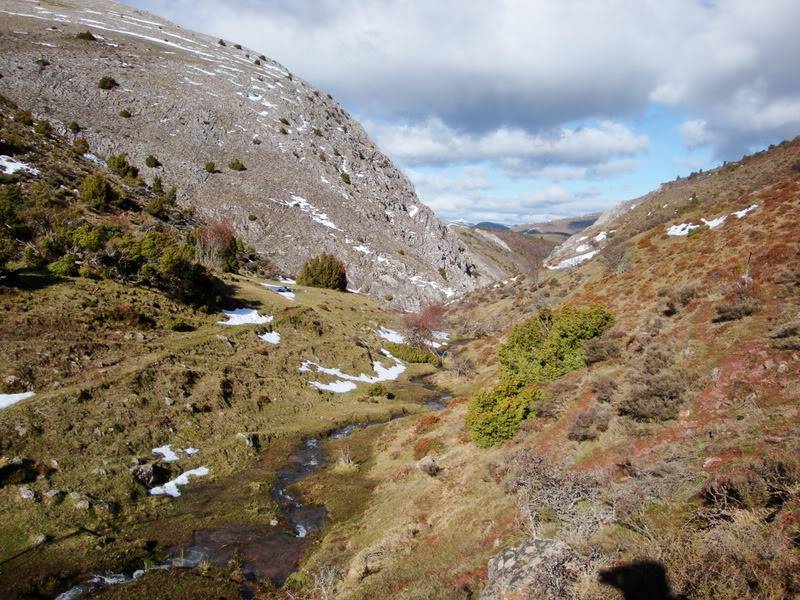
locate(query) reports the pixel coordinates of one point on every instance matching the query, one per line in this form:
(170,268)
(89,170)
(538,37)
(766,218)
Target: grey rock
(251,439)
(39,539)
(428,465)
(27,493)
(149,474)
(537,568)
(194,101)
(82,505)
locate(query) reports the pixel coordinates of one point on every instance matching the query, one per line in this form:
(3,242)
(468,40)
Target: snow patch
(7,400)
(745,211)
(271,337)
(714,222)
(171,487)
(244,316)
(166,452)
(574,261)
(390,335)
(337,387)
(12,165)
(681,229)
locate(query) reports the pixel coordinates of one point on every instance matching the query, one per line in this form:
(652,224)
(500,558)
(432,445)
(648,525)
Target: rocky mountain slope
(309,179)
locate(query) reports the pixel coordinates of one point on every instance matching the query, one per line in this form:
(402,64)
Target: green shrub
(42,127)
(119,165)
(284,120)
(86,36)
(222,43)
(325,271)
(345,177)
(87,237)
(494,416)
(74,127)
(236,165)
(80,146)
(107,83)
(257,62)
(157,187)
(64,267)
(442,273)
(376,390)
(97,192)
(210,167)
(24,116)
(125,113)
(541,349)
(548,346)
(317,132)
(42,62)
(237,46)
(412,354)
(151,161)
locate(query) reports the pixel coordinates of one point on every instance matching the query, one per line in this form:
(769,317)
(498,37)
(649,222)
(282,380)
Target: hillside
(239,135)
(505,253)
(566,227)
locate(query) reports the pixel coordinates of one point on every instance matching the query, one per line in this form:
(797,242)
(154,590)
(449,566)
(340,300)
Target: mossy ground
(108,392)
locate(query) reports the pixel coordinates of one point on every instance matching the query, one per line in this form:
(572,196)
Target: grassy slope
(430,537)
(112,382)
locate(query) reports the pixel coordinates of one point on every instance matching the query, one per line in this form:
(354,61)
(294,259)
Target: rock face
(313,180)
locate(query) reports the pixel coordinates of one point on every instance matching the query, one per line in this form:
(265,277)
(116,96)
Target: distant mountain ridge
(310,181)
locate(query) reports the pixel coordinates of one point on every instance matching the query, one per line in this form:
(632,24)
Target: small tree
(107,83)
(420,326)
(236,165)
(210,167)
(97,192)
(152,162)
(217,245)
(325,271)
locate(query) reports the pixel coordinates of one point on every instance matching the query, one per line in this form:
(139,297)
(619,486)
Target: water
(262,551)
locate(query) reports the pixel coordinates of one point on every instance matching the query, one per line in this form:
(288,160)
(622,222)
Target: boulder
(537,568)
(428,465)
(149,474)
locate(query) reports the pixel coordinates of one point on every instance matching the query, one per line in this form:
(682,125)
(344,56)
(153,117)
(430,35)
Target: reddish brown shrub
(420,325)
(216,245)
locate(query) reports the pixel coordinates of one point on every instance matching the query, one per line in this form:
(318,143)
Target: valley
(290,381)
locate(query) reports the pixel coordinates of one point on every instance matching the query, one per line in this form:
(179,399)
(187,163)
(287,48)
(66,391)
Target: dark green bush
(86,36)
(210,167)
(42,62)
(97,192)
(74,127)
(151,161)
(42,127)
(157,187)
(376,390)
(24,116)
(237,46)
(125,113)
(107,83)
(412,354)
(65,266)
(80,146)
(119,165)
(222,43)
(236,165)
(345,177)
(325,271)
(284,131)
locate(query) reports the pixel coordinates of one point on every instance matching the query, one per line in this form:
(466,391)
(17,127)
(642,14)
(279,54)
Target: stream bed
(262,551)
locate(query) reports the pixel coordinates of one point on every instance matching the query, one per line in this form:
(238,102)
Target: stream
(262,551)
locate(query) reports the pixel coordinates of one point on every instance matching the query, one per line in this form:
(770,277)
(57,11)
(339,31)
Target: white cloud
(695,133)
(531,66)
(434,142)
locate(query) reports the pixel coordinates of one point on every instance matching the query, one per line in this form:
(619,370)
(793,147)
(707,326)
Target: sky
(517,111)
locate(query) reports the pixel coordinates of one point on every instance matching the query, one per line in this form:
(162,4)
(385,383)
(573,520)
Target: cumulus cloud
(535,65)
(468,193)
(547,91)
(432,142)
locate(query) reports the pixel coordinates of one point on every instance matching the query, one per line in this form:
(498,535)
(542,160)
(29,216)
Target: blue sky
(519,110)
